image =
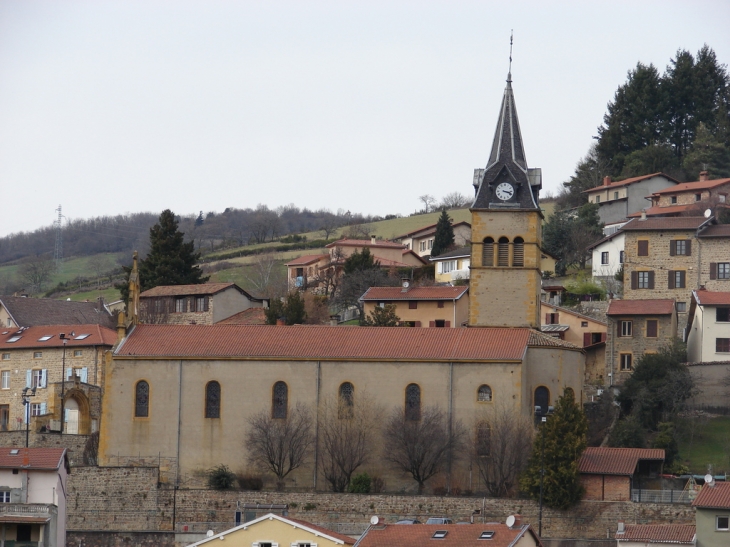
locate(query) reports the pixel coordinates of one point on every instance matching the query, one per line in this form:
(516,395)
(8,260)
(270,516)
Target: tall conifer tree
(444,238)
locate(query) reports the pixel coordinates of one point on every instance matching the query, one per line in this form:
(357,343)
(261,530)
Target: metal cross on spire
(509,73)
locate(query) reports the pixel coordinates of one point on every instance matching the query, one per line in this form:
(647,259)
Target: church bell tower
(506,232)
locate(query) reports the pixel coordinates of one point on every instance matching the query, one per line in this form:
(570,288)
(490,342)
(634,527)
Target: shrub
(360,484)
(628,433)
(309,506)
(221,478)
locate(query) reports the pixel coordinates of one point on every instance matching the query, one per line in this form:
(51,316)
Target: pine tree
(291,310)
(382,317)
(170,261)
(564,441)
(443,241)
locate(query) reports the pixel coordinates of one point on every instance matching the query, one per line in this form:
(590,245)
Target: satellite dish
(708,212)
(709,480)
(510,521)
(209,533)
(374,520)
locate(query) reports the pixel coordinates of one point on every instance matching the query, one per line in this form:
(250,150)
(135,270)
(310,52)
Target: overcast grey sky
(112,107)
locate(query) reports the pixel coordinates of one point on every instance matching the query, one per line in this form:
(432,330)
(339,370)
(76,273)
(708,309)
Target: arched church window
(488,252)
(542,399)
(518,252)
(347,400)
(503,252)
(483,439)
(142,399)
(413,402)
(484,394)
(279,400)
(213,400)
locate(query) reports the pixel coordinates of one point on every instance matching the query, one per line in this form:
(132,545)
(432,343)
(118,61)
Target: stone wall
(73,443)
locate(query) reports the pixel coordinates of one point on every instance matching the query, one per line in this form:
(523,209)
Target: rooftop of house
(608,184)
(414,293)
(713,497)
(604,240)
(641,307)
(251,316)
(658,533)
(306,342)
(43,459)
(692,186)
(201,289)
(461,252)
(601,460)
(664,224)
(306,260)
(27,312)
(477,535)
(48,336)
(383,243)
(662,211)
(716,230)
(711,298)
(429,230)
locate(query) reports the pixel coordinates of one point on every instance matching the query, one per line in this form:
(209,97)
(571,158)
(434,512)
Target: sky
(114,107)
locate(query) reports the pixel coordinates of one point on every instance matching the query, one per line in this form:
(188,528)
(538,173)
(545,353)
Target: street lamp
(26,395)
(63,337)
(543,420)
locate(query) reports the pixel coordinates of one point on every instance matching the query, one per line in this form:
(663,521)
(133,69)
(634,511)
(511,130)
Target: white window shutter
(65,414)
(26,410)
(69,373)
(84,375)
(43,408)
(44,376)
(28,377)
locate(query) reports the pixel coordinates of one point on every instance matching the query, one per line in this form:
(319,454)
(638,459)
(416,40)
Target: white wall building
(708,327)
(607,255)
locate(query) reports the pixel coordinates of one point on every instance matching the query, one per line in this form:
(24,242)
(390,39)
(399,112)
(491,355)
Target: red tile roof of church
(328,342)
(599,460)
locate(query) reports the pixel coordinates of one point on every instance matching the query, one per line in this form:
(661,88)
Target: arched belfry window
(488,252)
(542,399)
(503,252)
(213,400)
(347,400)
(518,252)
(413,402)
(142,399)
(279,400)
(484,394)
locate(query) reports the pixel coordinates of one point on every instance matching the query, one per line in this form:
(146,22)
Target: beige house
(421,241)
(203,304)
(422,306)
(636,327)
(452,266)
(34,484)
(276,531)
(712,515)
(63,365)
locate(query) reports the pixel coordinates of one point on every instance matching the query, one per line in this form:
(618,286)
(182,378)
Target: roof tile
(467,535)
(716,230)
(365,243)
(691,186)
(415,293)
(28,312)
(659,533)
(32,458)
(456,253)
(31,337)
(712,298)
(626,182)
(307,259)
(664,223)
(615,461)
(641,307)
(251,316)
(186,290)
(715,497)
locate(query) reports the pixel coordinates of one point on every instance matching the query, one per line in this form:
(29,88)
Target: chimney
(372,239)
(621,527)
(280,322)
(518,521)
(704,176)
(606,180)
(643,214)
(334,319)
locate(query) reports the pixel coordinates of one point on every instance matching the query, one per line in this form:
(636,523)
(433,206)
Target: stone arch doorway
(76,415)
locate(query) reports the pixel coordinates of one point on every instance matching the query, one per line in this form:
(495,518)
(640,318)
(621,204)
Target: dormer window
(487,534)
(439,534)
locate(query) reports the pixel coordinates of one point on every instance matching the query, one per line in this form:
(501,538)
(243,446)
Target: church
(185,393)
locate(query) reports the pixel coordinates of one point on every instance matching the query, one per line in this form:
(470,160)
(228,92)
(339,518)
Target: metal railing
(662,496)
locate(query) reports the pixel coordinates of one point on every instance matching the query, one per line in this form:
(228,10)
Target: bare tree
(454,200)
(36,271)
(348,433)
(429,202)
(99,264)
(423,447)
(501,446)
(330,223)
(358,231)
(280,445)
(266,276)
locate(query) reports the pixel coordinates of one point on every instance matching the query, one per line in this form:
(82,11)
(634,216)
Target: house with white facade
(33,484)
(452,266)
(607,255)
(708,327)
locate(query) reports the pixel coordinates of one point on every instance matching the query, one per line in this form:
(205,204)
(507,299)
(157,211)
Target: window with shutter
(586,339)
(672,247)
(651,280)
(713,270)
(643,247)
(643,282)
(651,328)
(440,303)
(518,252)
(672,278)
(679,279)
(680,247)
(634,280)
(503,252)
(413,305)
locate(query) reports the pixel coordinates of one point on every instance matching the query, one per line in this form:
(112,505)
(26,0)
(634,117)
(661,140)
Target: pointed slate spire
(507,145)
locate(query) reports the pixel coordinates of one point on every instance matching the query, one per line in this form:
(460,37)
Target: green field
(706,441)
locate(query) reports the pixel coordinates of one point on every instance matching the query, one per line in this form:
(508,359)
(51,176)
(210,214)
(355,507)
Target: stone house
(712,515)
(202,304)
(619,199)
(422,306)
(65,371)
(22,311)
(272,529)
(636,327)
(656,535)
(33,486)
(421,241)
(452,266)
(609,474)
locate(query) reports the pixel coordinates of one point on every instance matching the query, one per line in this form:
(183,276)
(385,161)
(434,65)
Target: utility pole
(58,252)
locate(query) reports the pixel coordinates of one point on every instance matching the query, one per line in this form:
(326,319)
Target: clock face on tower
(504,191)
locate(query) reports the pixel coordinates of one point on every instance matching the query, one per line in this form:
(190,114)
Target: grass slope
(707,441)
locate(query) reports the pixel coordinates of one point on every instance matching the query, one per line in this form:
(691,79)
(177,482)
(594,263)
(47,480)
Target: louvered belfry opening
(518,253)
(503,252)
(488,252)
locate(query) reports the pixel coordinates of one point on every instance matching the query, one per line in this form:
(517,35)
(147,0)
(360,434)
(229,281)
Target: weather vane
(511,34)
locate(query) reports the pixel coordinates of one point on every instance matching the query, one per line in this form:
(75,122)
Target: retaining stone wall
(73,443)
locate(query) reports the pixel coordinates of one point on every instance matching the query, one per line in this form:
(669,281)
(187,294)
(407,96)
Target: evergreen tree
(382,317)
(170,261)
(358,262)
(564,441)
(291,310)
(443,241)
(707,153)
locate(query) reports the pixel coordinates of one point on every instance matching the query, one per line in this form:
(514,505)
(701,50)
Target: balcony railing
(27,509)
(459,274)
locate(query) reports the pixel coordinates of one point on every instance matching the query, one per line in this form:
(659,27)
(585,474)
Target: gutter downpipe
(316,427)
(451,417)
(179,428)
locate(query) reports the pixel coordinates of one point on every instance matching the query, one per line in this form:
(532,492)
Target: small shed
(609,474)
